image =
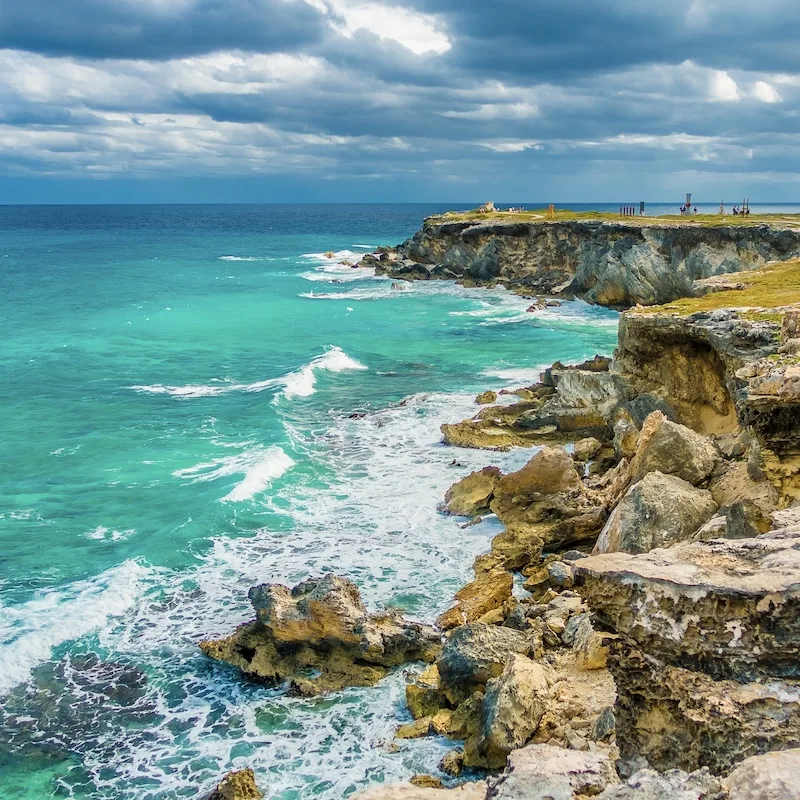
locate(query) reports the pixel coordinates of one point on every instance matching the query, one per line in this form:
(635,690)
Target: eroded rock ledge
(616,264)
(320,637)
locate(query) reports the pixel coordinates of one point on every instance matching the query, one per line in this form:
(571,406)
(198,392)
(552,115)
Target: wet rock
(672,449)
(546,499)
(423,695)
(474,654)
(426,781)
(766,777)
(321,624)
(545,772)
(513,705)
(239,785)
(414,730)
(486,397)
(473,494)
(647,784)
(658,511)
(729,607)
(452,763)
(585,449)
(491,588)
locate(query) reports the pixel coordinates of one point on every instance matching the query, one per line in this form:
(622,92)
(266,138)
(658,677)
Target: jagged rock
(587,448)
(767,777)
(238,785)
(452,763)
(426,782)
(730,607)
(658,511)
(626,437)
(423,696)
(517,546)
(604,725)
(513,705)
(408,791)
(545,772)
(647,784)
(590,646)
(491,588)
(486,397)
(474,654)
(414,730)
(547,500)
(675,718)
(672,449)
(560,575)
(736,485)
(472,495)
(323,625)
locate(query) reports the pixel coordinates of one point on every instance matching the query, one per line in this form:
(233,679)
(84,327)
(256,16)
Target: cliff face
(614,264)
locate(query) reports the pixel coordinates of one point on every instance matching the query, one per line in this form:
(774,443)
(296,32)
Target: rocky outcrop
(239,785)
(490,591)
(473,494)
(610,263)
(706,665)
(321,624)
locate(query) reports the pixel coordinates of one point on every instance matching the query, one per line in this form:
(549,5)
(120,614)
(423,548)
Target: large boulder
(321,625)
(472,495)
(767,777)
(675,784)
(546,499)
(474,654)
(546,772)
(658,511)
(491,588)
(673,449)
(513,705)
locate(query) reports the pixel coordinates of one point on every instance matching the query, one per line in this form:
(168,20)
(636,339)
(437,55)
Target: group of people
(744,211)
(688,210)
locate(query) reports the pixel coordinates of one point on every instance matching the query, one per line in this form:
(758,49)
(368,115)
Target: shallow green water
(178,385)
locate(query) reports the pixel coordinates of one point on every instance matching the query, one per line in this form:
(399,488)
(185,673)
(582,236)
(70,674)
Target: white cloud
(722,87)
(765,92)
(511,146)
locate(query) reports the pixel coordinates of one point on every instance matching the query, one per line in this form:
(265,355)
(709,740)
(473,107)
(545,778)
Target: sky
(422,101)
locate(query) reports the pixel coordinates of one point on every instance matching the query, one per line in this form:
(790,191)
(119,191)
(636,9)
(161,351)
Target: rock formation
(239,785)
(321,624)
(611,263)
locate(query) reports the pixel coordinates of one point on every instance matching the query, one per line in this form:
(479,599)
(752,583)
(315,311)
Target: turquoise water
(196,400)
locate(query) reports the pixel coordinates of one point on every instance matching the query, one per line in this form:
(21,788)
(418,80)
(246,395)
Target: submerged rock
(658,511)
(239,785)
(321,625)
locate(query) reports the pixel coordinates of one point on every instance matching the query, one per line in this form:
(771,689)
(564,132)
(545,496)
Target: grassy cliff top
(564,215)
(771,287)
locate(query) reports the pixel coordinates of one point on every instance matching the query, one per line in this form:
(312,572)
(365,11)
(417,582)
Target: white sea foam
(339,255)
(103,534)
(244,258)
(362,293)
(259,466)
(298,383)
(29,632)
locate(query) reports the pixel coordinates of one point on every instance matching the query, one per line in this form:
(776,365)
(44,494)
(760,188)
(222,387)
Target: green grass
(771,287)
(564,215)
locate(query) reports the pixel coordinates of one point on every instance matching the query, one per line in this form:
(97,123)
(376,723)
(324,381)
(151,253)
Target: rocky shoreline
(632,633)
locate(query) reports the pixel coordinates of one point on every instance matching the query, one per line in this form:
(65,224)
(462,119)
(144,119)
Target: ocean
(195,400)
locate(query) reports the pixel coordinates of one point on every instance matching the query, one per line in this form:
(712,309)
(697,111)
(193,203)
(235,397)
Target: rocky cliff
(616,264)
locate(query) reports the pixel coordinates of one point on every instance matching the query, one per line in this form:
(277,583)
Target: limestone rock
(545,772)
(513,705)
(547,499)
(585,449)
(472,495)
(474,654)
(489,591)
(486,397)
(658,511)
(408,791)
(736,485)
(238,785)
(518,546)
(423,696)
(672,449)
(731,607)
(321,624)
(674,718)
(772,775)
(647,784)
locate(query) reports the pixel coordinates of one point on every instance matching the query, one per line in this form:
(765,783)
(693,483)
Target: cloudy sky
(429,100)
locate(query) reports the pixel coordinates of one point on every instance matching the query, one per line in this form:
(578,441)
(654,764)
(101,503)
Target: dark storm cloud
(156,28)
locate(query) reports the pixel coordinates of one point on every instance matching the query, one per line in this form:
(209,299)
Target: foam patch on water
(29,632)
(298,383)
(362,293)
(259,466)
(245,258)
